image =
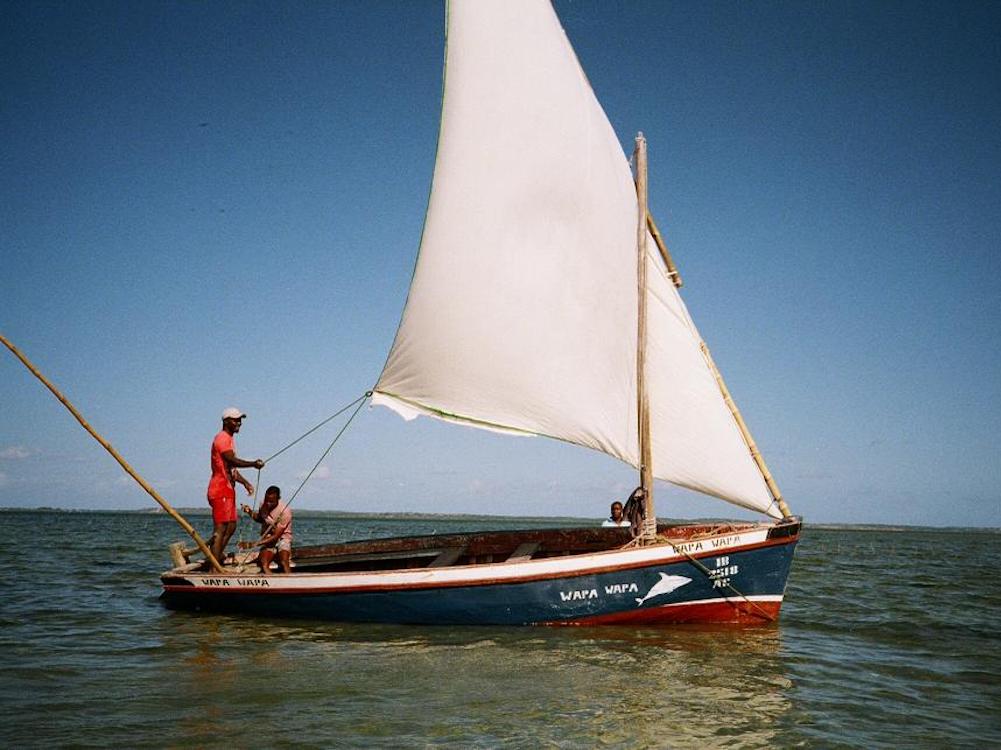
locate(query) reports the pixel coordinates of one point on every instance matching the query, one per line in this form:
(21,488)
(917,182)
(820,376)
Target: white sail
(522,310)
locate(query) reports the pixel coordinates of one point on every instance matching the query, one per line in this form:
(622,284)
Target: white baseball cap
(233,413)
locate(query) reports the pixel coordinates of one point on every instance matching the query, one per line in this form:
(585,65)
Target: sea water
(888,638)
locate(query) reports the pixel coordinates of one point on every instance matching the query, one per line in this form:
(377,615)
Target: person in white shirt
(616,519)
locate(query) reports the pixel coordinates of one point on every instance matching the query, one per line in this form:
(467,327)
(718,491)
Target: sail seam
(461,418)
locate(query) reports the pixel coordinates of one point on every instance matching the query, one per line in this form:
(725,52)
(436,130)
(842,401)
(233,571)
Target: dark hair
(273,488)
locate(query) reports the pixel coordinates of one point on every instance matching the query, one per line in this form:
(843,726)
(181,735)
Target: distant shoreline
(307,513)
(571,520)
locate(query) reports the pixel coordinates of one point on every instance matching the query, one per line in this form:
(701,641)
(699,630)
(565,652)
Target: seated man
(617,518)
(275,518)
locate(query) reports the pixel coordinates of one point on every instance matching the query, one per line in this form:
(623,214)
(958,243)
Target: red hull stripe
(736,611)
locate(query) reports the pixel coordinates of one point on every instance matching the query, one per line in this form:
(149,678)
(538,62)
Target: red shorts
(223,505)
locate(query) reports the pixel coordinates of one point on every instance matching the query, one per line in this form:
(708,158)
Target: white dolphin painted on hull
(665,585)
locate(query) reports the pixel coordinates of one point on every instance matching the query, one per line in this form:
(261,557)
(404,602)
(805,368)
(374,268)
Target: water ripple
(887,639)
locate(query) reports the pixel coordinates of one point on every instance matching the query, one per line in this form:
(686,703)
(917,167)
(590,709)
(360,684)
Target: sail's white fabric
(522,310)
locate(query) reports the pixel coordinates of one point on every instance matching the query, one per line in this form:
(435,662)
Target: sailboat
(544,303)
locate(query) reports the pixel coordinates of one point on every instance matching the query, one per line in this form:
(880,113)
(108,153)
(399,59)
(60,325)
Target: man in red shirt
(222,492)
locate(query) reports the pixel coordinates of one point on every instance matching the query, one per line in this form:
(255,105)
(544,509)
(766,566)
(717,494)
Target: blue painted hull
(731,585)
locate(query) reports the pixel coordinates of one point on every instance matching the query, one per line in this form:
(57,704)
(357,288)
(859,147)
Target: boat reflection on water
(565,686)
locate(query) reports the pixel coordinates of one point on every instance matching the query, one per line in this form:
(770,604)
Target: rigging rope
(314,429)
(360,401)
(694,561)
(242,562)
(708,573)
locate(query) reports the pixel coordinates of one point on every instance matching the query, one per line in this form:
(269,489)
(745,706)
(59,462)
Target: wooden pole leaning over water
(642,398)
(108,447)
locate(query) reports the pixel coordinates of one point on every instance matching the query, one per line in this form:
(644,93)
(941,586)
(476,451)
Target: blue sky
(217,204)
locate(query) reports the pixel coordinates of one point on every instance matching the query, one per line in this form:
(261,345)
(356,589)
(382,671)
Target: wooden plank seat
(447,557)
(317,561)
(524,552)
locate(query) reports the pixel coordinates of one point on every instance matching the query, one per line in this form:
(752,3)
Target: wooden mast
(107,446)
(646,222)
(642,398)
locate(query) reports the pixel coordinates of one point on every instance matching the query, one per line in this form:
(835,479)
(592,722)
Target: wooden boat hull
(740,577)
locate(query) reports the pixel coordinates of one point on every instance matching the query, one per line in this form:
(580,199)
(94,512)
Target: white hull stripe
(731,599)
